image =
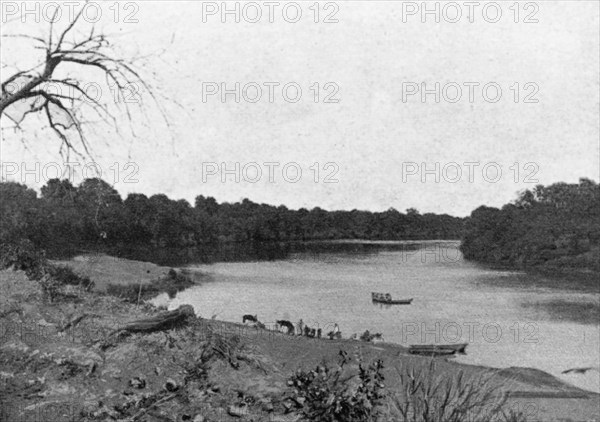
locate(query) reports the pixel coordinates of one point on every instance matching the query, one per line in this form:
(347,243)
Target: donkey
(287,324)
(250,318)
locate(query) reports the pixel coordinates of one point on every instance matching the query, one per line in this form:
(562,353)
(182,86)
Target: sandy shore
(64,358)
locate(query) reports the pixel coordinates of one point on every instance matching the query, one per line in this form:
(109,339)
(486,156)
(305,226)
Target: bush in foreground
(332,395)
(425,396)
(340,394)
(24,256)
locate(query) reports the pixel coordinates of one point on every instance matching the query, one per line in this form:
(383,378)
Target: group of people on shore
(300,329)
(305,330)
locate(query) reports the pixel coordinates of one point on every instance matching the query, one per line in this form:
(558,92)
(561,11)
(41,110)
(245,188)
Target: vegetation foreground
(71,350)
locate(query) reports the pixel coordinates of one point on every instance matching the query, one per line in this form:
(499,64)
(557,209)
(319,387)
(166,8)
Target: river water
(508,318)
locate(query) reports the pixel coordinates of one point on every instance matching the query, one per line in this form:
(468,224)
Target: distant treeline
(556,226)
(93,215)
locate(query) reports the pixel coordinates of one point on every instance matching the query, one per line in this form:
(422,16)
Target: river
(509,318)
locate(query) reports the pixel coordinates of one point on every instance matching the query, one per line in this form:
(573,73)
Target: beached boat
(431,352)
(438,349)
(386,298)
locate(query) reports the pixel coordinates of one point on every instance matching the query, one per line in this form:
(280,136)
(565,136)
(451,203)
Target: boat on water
(437,349)
(386,298)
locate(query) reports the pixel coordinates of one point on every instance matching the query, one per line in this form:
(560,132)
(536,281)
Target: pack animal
(250,318)
(286,325)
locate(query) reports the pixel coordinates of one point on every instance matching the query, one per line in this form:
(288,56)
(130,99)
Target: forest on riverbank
(546,227)
(94,216)
(551,227)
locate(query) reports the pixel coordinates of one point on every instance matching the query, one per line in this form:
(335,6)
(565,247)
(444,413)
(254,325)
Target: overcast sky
(373,133)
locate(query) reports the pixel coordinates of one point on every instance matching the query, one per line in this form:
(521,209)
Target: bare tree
(62,101)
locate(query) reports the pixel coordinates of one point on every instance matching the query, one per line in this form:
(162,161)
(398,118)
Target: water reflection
(381,305)
(574,281)
(566,310)
(273,251)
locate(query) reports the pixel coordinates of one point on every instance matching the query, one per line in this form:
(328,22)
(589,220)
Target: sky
(370,140)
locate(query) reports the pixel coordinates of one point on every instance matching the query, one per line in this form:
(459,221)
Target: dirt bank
(105,271)
(72,360)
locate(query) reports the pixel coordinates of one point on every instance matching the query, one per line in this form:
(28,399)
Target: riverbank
(130,279)
(583,265)
(69,356)
(577,277)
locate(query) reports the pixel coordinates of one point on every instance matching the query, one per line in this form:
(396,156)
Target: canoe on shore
(437,349)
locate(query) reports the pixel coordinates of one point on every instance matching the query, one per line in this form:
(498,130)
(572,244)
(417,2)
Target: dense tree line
(93,214)
(556,225)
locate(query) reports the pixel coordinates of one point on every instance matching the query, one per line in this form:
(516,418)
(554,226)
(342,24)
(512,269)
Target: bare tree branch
(92,51)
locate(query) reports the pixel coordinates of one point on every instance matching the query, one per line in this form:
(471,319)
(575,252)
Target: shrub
(23,256)
(50,287)
(328,396)
(65,275)
(428,397)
